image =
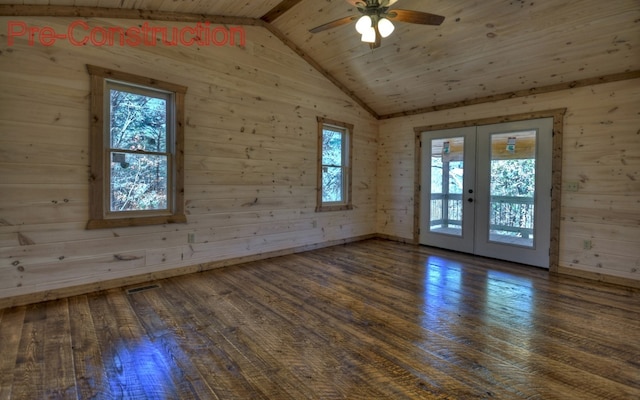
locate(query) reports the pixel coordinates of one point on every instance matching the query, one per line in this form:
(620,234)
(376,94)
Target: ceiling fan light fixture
(375,20)
(363,24)
(369,36)
(385,27)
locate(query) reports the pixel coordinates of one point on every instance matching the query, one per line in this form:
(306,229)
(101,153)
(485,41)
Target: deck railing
(509,215)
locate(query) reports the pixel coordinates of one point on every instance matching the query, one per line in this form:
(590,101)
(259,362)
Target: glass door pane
(447,177)
(512,188)
(486,190)
(513,191)
(447,188)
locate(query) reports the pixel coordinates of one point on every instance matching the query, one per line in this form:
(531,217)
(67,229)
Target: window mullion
(142,152)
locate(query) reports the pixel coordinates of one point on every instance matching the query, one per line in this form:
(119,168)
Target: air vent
(142,289)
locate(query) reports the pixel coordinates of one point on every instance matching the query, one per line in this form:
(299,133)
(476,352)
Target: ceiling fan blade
(415,17)
(333,24)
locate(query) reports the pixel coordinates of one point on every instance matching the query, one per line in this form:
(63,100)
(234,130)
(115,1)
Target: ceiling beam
(277,11)
(16,10)
(519,93)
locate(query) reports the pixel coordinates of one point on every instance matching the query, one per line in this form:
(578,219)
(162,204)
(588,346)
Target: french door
(486,190)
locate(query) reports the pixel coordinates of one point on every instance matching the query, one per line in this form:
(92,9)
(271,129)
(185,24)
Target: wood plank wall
(601,152)
(250,159)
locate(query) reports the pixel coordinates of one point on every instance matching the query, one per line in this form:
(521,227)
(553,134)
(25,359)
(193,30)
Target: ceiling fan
(375,21)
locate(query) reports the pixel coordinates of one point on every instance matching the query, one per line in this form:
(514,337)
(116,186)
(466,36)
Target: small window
(136,150)
(334,165)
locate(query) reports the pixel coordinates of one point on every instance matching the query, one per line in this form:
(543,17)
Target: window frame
(347,157)
(100,215)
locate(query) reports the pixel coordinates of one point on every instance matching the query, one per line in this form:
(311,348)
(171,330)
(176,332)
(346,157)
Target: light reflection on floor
(441,289)
(506,299)
(498,310)
(141,364)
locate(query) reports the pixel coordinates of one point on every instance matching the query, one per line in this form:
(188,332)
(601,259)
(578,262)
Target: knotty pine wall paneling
(250,153)
(601,152)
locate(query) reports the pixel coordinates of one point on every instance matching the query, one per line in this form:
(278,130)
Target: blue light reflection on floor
(442,281)
(505,296)
(141,371)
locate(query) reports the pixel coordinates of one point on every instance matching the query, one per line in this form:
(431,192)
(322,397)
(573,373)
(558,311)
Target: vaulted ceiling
(483,49)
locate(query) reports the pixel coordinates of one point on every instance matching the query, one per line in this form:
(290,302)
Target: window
(136,146)
(334,165)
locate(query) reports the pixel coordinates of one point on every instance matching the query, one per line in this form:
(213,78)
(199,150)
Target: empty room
(335,199)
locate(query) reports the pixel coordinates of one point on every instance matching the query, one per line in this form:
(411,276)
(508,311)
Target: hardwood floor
(368,320)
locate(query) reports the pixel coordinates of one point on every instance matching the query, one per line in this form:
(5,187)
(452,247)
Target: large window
(136,150)
(334,165)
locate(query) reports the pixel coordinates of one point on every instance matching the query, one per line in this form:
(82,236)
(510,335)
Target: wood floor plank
(135,368)
(339,310)
(92,381)
(28,375)
(217,361)
(59,374)
(551,340)
(251,367)
(406,332)
(374,319)
(302,346)
(11,320)
(171,330)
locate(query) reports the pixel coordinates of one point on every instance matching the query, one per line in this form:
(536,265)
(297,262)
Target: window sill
(341,207)
(135,221)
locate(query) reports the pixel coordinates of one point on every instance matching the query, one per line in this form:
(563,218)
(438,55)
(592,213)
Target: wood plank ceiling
(483,50)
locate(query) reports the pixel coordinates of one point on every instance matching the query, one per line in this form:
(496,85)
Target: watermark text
(79,33)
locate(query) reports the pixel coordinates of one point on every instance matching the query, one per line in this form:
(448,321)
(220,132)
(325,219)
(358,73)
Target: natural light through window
(334,167)
(137,138)
(140,151)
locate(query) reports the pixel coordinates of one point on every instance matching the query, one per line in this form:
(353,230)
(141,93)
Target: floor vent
(142,289)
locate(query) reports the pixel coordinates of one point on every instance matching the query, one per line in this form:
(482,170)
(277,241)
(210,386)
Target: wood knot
(123,257)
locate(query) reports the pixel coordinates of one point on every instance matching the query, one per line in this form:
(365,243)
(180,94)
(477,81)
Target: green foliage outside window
(513,177)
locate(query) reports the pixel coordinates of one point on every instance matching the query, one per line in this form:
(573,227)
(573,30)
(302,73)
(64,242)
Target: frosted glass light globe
(363,24)
(369,36)
(385,27)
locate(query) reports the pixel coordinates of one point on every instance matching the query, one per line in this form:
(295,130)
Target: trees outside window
(139,152)
(136,150)
(334,165)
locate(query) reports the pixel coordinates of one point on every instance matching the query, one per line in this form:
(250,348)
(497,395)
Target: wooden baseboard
(395,238)
(616,280)
(124,282)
